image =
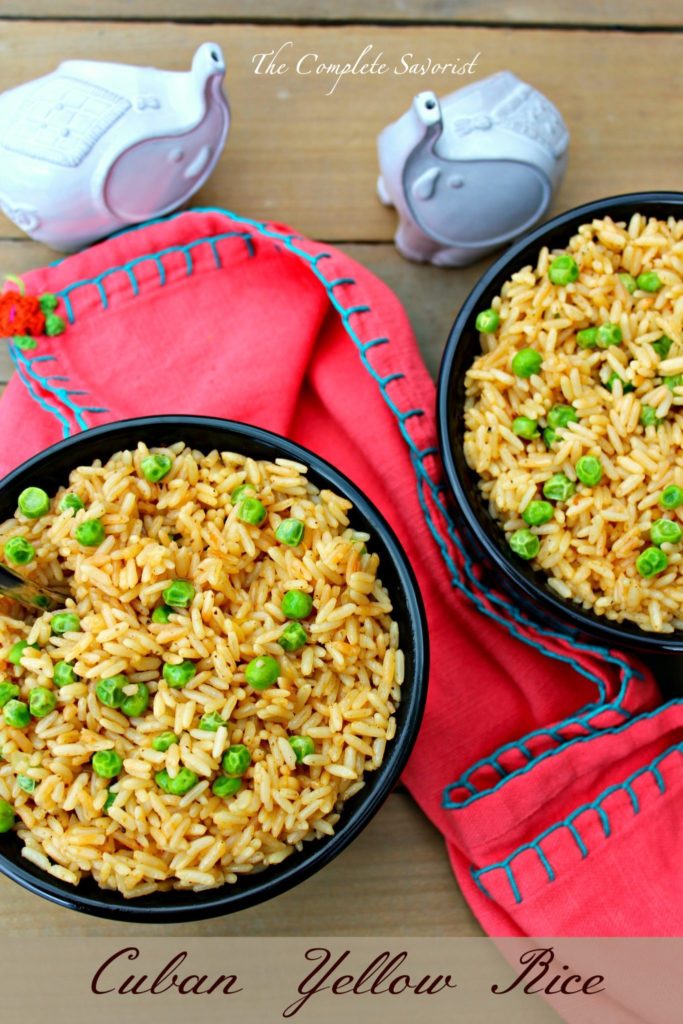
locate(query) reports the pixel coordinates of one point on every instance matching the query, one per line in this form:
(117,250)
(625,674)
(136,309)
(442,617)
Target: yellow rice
(341,689)
(589,547)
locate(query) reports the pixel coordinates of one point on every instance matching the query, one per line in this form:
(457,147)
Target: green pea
(537,513)
(674,382)
(42,601)
(16,714)
(63,674)
(613,378)
(179,594)
(262,672)
(135,704)
(526,362)
(109,802)
(41,701)
(211,722)
(7,818)
(90,533)
(162,613)
(549,436)
(561,415)
(184,781)
(648,416)
(303,746)
(558,488)
(236,760)
(662,346)
(65,622)
(588,338)
(71,501)
(252,511)
(608,334)
(110,691)
(107,764)
(651,562)
(290,532)
(487,321)
(163,741)
(34,502)
(8,691)
(524,543)
(629,282)
(293,637)
(665,531)
(296,604)
(156,467)
(242,491)
(671,497)
(163,780)
(180,675)
(649,281)
(563,270)
(26,783)
(16,651)
(524,426)
(589,470)
(19,551)
(224,786)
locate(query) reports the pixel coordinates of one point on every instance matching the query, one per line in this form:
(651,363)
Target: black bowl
(51,469)
(463,346)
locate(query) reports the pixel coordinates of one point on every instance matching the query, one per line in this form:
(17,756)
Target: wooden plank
(581,12)
(306,158)
(17,255)
(393,880)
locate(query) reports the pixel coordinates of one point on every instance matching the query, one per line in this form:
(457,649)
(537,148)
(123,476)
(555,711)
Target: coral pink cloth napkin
(548,764)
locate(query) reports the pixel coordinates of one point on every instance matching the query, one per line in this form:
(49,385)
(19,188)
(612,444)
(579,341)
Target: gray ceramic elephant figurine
(93,147)
(471,172)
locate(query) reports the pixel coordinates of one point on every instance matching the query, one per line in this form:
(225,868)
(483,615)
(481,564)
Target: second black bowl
(50,469)
(461,350)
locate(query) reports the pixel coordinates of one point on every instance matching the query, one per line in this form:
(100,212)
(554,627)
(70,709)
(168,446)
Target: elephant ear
(156,175)
(473,203)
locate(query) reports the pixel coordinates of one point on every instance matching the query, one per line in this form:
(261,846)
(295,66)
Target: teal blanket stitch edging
(490,603)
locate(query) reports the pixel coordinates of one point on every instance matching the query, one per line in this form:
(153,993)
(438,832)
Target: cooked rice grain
(591,546)
(344,684)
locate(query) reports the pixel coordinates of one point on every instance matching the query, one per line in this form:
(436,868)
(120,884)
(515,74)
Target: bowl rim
(316,853)
(616,635)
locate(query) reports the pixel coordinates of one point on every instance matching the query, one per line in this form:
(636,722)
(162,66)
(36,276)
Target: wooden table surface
(302,157)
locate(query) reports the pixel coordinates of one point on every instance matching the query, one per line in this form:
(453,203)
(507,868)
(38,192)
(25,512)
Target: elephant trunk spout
(208,63)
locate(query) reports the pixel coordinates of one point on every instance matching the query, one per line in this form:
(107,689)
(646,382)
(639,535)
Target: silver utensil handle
(28,593)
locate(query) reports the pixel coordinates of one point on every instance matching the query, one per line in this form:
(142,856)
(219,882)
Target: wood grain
(393,880)
(581,12)
(308,159)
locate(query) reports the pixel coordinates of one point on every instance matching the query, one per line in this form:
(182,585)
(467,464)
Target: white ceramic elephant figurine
(472,171)
(93,147)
